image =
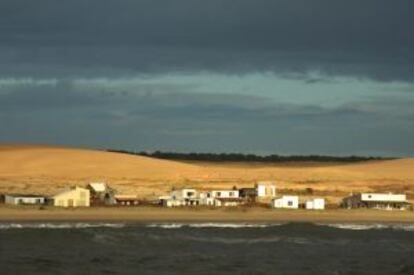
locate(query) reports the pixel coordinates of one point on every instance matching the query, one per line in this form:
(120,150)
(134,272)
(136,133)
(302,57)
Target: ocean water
(205,248)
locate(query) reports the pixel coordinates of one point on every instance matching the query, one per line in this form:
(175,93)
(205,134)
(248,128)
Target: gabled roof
(98,186)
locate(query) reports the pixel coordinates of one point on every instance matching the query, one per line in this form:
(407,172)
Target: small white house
(16,199)
(265,189)
(315,204)
(289,202)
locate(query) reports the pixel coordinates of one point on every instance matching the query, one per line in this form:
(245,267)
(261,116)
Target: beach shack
(315,204)
(376,200)
(16,199)
(74,197)
(126,200)
(288,202)
(101,193)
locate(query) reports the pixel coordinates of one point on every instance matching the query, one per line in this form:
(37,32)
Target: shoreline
(196,215)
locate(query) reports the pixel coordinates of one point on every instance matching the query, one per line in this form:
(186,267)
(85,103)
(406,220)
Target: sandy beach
(155,214)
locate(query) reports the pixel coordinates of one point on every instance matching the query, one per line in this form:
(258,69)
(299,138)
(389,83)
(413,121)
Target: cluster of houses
(94,194)
(261,192)
(99,194)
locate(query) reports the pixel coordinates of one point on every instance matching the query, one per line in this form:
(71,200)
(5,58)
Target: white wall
(383,197)
(316,204)
(78,196)
(290,202)
(265,190)
(224,194)
(184,194)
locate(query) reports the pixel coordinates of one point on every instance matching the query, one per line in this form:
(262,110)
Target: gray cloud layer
(371,38)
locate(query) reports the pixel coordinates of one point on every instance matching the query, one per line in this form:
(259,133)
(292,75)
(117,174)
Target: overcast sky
(288,77)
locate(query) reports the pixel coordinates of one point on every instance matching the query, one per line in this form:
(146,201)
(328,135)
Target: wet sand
(157,214)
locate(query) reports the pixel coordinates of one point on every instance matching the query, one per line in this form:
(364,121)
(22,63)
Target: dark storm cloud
(371,38)
(202,122)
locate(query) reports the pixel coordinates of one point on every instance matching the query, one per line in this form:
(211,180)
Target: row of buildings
(265,192)
(98,194)
(94,194)
(261,192)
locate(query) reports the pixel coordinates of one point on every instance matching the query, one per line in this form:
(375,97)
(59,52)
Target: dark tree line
(238,157)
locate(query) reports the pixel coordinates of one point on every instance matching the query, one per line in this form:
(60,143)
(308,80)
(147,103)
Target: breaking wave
(58,225)
(210,225)
(403,227)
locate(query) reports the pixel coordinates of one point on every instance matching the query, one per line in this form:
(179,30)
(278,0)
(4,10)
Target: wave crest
(210,225)
(377,226)
(6,226)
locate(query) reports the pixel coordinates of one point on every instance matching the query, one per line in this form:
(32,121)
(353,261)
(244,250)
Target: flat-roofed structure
(315,204)
(16,199)
(288,202)
(376,200)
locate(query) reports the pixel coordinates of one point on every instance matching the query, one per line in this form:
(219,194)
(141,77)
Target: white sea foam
(210,225)
(58,225)
(404,227)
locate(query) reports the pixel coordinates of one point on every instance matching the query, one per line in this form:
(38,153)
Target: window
(218,194)
(231,194)
(290,203)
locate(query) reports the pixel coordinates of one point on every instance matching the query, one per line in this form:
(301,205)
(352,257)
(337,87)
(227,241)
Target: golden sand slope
(43,169)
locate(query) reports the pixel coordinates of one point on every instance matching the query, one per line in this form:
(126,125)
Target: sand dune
(44,169)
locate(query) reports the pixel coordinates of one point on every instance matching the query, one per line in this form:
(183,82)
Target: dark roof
(25,195)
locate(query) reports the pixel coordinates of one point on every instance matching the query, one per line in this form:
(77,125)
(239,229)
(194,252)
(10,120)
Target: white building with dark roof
(16,199)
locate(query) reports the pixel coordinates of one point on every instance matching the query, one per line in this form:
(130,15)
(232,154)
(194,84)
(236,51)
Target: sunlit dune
(45,169)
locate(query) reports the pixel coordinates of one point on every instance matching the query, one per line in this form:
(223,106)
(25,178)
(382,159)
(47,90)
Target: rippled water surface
(206,248)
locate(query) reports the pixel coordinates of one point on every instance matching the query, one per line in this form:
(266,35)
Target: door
(70,203)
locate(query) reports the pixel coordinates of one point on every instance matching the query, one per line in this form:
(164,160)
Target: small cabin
(20,199)
(315,204)
(288,202)
(126,200)
(101,193)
